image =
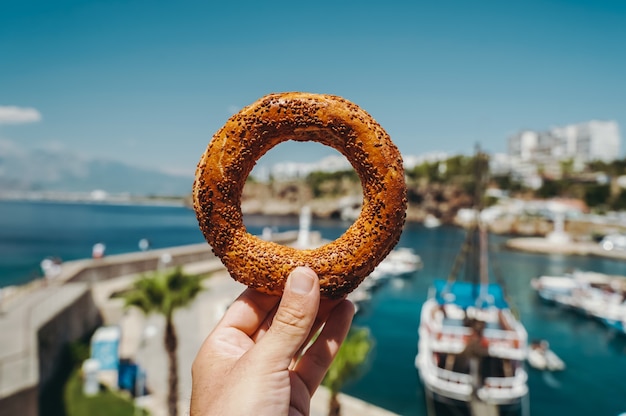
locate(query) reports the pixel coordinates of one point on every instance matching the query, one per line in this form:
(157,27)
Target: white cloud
(17,115)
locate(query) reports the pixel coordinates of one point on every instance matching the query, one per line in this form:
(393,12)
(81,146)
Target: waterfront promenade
(145,343)
(39,319)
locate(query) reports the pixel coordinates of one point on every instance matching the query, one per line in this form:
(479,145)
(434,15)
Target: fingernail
(301,281)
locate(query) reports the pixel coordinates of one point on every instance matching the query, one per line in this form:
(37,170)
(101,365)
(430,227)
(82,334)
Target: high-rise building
(584,142)
(523,145)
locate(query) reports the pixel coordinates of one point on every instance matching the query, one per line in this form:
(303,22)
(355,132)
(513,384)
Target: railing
(520,377)
(452,376)
(461,385)
(453,336)
(494,337)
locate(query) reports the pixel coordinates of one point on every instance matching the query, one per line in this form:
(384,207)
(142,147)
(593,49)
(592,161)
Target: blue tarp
(132,377)
(127,376)
(467,294)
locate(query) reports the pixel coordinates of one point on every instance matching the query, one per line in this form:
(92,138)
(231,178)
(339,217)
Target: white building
(584,142)
(410,161)
(298,170)
(523,144)
(597,140)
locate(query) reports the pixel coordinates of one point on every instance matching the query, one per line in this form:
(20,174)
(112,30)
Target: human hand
(255,362)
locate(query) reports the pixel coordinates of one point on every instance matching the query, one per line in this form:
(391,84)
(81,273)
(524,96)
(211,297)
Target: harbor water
(592,383)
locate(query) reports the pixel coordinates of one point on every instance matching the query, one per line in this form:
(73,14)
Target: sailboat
(471,347)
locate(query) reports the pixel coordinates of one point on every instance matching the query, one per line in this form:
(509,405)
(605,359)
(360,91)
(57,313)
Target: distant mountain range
(56,170)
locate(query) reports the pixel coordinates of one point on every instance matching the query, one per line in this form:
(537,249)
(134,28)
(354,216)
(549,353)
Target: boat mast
(481,171)
(474,249)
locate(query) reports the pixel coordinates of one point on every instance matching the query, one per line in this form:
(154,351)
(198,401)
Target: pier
(38,319)
(575,248)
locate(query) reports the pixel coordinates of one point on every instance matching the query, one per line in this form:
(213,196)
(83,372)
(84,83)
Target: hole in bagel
(295,177)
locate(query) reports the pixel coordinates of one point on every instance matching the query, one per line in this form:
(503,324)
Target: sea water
(592,384)
(32,231)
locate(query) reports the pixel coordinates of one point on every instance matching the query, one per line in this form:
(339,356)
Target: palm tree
(347,365)
(163,293)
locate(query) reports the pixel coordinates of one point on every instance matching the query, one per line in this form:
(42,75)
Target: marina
(595,355)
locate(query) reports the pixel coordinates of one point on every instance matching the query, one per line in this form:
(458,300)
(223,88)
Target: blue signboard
(105,345)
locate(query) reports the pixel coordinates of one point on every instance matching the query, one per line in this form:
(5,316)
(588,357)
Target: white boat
(554,288)
(471,348)
(400,261)
(430,221)
(541,357)
(592,294)
(616,241)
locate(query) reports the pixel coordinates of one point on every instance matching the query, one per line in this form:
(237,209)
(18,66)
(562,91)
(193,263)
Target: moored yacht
(430,221)
(541,357)
(471,348)
(400,261)
(596,295)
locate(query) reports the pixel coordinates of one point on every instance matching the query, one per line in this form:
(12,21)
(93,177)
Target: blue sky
(149,82)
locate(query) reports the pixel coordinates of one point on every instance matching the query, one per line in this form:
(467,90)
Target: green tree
(567,167)
(322,183)
(551,188)
(163,293)
(459,166)
(506,182)
(347,365)
(597,195)
(614,168)
(619,202)
(427,170)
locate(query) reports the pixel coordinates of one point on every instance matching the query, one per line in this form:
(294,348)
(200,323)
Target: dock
(543,245)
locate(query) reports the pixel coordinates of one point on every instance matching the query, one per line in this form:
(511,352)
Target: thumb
(294,318)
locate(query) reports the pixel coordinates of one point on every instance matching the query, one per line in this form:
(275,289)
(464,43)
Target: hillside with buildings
(577,165)
(534,155)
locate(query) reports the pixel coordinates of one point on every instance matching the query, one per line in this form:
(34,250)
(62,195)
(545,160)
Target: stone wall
(24,402)
(139,262)
(79,319)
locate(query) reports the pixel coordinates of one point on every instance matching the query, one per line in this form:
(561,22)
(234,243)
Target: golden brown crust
(333,121)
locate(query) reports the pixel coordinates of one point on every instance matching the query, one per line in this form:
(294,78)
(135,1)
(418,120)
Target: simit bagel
(333,121)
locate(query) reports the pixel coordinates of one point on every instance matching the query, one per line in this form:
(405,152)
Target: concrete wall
(139,262)
(78,319)
(24,402)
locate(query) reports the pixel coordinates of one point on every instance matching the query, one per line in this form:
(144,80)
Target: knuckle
(289,318)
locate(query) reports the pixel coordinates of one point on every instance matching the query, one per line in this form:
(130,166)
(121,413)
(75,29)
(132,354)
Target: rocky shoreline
(345,200)
(440,201)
